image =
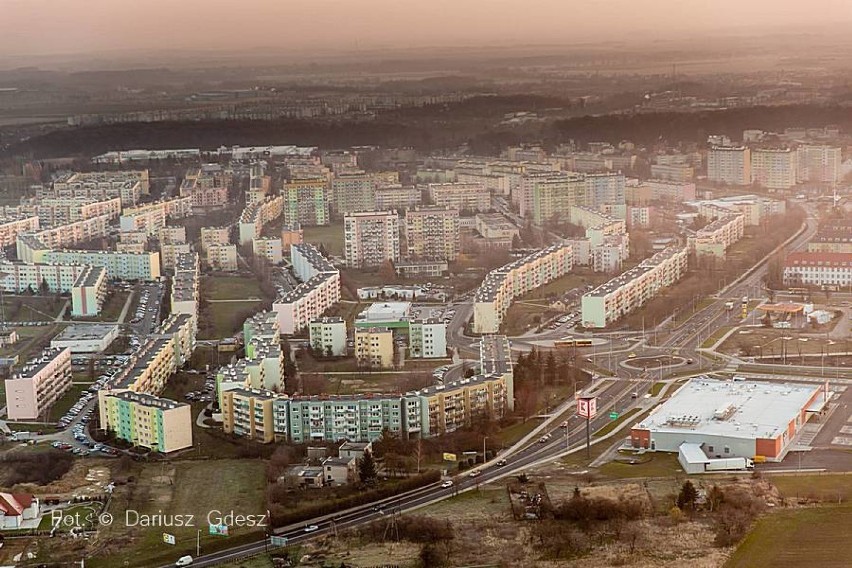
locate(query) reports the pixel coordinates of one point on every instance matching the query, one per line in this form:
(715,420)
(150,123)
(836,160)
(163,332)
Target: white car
(311,528)
(184,560)
(447,483)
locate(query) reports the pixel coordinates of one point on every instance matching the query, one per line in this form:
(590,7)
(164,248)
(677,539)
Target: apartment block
(207,186)
(185,284)
(270,249)
(169,254)
(128,186)
(502,285)
(214,236)
(774,168)
(255,216)
(88,292)
(472,197)
(421,268)
(319,290)
(250,413)
(397,197)
(374,347)
(660,190)
(151,218)
(427,339)
(147,421)
(462,403)
(53,211)
(222,257)
(432,233)
(603,189)
(328,336)
(371,238)
(549,196)
(754,209)
(632,289)
(353,192)
(730,165)
(11,228)
(119,265)
(306,201)
(716,237)
(172,235)
(818,164)
(832,270)
(673,172)
(30,246)
(38,384)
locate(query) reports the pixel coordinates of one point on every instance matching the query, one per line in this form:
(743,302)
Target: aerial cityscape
(414,285)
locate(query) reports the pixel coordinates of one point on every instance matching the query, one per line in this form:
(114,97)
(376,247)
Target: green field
(228,317)
(196,488)
(233,288)
(822,487)
(67,401)
(331,237)
(32,308)
(796,538)
(651,464)
(113,306)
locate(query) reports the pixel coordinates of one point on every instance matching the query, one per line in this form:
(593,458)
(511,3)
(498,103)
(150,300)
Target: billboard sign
(587,407)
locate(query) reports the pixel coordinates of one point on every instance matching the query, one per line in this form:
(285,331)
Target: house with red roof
(15,508)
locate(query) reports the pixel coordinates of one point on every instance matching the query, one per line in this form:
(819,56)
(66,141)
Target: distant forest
(474,122)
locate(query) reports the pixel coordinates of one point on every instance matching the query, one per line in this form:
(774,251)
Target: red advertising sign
(587,407)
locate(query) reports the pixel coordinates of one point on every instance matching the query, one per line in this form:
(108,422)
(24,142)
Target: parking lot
(431,311)
(145,317)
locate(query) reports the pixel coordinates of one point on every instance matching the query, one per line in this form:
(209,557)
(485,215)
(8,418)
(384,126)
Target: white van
(184,560)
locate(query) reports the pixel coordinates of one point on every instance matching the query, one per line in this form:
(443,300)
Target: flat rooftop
(385,311)
(734,409)
(87,332)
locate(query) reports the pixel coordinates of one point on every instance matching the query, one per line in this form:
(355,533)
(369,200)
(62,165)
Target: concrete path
(126,307)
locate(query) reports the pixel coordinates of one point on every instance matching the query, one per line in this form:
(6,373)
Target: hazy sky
(39,27)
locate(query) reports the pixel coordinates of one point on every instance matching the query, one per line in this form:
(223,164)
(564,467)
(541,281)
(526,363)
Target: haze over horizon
(40,28)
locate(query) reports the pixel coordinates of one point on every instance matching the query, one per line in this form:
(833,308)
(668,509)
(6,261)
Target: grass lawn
(566,283)
(657,388)
(67,401)
(523,317)
(716,336)
(196,488)
(29,338)
(651,464)
(824,487)
(767,342)
(512,434)
(331,237)
(233,288)
(32,308)
(617,422)
(113,306)
(794,538)
(228,317)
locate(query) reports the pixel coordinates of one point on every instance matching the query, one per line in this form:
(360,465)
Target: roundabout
(655,362)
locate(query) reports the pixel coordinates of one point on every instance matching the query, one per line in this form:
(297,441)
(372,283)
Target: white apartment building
(207,186)
(397,197)
(306,201)
(544,197)
(432,233)
(151,218)
(604,189)
(87,284)
(830,269)
(774,168)
(119,265)
(427,339)
(185,284)
(328,336)
(38,384)
(502,285)
(31,245)
(730,165)
(718,236)
(255,216)
(268,248)
(172,235)
(818,164)
(11,228)
(128,186)
(88,292)
(169,254)
(673,172)
(214,236)
(371,238)
(461,196)
(353,192)
(319,290)
(632,289)
(222,257)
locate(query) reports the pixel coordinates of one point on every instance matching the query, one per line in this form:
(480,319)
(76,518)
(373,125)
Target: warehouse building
(730,419)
